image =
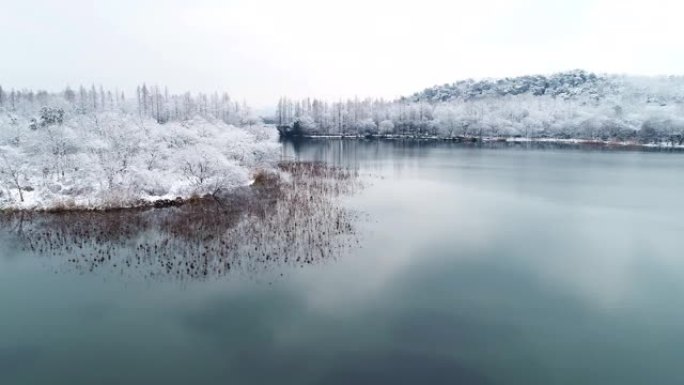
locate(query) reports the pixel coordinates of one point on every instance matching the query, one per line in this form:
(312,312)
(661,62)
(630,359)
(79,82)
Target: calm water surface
(474,266)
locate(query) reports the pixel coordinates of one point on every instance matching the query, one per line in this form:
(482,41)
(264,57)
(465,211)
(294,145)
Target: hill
(568,105)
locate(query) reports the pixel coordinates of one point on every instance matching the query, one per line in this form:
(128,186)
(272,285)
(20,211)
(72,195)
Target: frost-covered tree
(94,148)
(13,171)
(573,104)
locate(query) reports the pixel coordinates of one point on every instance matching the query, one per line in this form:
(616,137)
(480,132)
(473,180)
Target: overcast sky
(259,50)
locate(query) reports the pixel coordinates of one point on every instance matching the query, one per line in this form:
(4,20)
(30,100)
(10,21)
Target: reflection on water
(406,152)
(292,218)
(481,265)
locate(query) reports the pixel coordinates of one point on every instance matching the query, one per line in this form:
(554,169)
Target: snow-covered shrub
(115,159)
(367,127)
(386,127)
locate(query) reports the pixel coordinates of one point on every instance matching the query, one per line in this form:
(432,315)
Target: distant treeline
(149,102)
(573,104)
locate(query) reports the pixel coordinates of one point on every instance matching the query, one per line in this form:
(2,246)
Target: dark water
(474,266)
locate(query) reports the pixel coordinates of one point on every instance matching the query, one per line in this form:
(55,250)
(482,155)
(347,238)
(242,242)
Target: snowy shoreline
(109,161)
(477,139)
(147,202)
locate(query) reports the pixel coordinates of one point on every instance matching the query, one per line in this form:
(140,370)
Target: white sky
(262,49)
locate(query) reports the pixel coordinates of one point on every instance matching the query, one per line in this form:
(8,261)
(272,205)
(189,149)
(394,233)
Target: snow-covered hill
(565,84)
(576,104)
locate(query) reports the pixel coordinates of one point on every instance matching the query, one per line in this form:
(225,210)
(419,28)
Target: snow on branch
(96,149)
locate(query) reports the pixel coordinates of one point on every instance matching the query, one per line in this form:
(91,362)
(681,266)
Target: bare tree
(13,171)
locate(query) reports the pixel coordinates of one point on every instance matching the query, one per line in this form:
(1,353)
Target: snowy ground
(115,160)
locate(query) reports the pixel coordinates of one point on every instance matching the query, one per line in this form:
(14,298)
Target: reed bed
(292,217)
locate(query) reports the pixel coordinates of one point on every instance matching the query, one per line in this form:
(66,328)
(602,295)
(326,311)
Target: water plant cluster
(292,217)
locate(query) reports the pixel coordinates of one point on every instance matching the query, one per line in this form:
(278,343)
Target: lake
(498,264)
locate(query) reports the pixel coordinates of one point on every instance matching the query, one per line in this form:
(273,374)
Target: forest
(96,148)
(568,105)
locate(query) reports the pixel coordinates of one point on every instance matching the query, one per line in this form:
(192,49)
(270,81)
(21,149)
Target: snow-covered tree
(573,104)
(93,148)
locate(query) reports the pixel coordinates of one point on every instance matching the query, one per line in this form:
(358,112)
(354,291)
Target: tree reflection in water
(292,218)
